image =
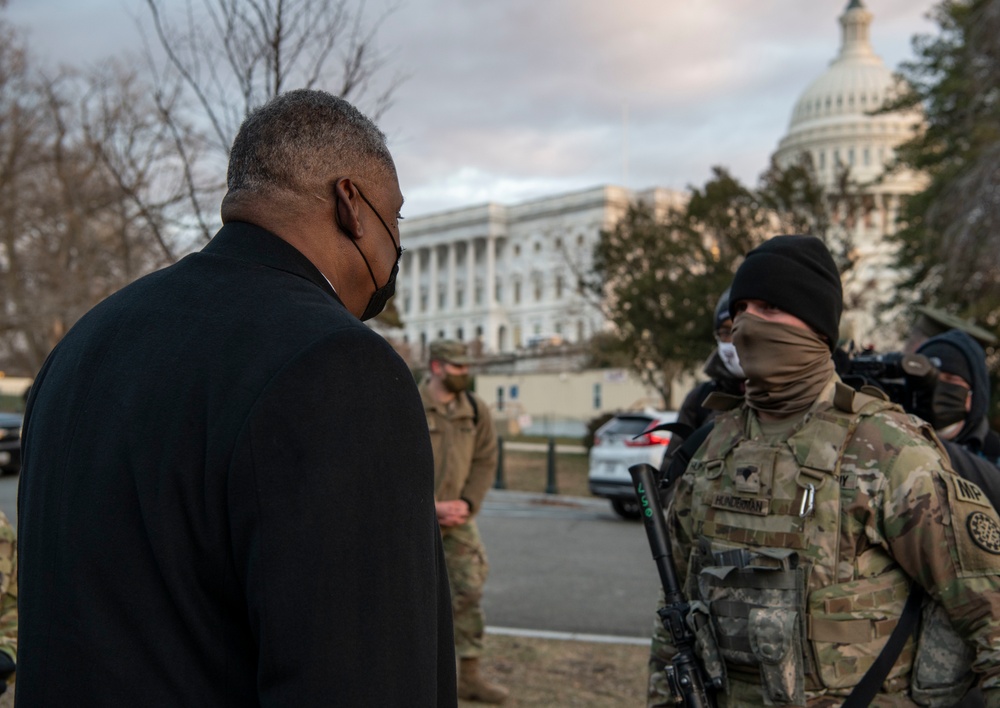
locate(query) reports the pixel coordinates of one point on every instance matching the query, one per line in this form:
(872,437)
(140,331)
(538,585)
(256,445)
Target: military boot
(473,687)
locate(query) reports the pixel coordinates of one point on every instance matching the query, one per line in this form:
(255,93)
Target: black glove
(7,667)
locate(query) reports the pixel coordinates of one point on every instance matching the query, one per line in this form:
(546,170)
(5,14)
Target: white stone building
(831,121)
(505,277)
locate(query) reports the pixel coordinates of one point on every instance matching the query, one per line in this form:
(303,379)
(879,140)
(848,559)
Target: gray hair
(302,139)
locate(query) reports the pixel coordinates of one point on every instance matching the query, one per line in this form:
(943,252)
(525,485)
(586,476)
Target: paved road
(558,563)
(566,564)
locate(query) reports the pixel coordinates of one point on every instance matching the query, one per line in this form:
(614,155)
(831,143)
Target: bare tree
(232,55)
(76,208)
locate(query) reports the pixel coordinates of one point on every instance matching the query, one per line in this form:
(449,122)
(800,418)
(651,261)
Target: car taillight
(660,437)
(597,441)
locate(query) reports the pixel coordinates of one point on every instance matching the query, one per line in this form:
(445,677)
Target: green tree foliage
(659,276)
(950,240)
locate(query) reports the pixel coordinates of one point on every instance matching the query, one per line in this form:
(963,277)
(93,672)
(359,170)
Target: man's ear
(346,207)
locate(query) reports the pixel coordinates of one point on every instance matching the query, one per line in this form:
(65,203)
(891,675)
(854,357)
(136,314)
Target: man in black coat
(227,492)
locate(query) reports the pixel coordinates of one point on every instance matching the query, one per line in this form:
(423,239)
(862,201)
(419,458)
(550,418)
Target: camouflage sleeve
(8,589)
(944,533)
(484,460)
(661,651)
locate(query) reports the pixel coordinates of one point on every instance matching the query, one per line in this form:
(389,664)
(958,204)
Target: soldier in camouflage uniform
(465,460)
(811,510)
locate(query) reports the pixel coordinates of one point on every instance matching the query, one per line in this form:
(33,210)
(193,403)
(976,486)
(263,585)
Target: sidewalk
(543,447)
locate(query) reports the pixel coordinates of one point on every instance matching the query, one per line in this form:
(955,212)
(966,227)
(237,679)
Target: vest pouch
(850,623)
(757,609)
(942,671)
(776,641)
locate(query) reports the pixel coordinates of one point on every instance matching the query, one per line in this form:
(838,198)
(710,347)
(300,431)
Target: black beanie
(721,310)
(796,274)
(952,358)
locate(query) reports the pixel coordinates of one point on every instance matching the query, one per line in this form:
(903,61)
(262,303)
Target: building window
(538,291)
(579,240)
(423,302)
(822,160)
(479,294)
(866,156)
(538,246)
(406,304)
(459,334)
(850,156)
(517,249)
(597,396)
(459,297)
(559,287)
(517,292)
(441,299)
(498,291)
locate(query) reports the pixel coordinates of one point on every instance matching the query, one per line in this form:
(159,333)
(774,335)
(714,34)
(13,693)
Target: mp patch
(966,491)
(984,532)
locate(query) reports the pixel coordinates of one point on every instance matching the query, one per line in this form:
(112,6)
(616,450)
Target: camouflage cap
(932,322)
(451,351)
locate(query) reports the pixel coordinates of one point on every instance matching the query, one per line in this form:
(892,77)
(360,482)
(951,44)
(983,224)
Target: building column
(450,285)
(432,285)
(470,274)
(491,270)
(415,284)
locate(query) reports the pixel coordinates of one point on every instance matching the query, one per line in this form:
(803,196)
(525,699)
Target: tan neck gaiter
(786,366)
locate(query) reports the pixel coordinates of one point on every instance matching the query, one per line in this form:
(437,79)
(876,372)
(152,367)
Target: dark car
(10,442)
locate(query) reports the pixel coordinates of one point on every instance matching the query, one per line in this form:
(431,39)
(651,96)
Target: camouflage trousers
(661,651)
(465,557)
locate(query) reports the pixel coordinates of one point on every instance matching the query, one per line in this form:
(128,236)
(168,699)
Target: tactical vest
(790,610)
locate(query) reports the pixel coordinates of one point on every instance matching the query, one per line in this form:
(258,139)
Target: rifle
(684,674)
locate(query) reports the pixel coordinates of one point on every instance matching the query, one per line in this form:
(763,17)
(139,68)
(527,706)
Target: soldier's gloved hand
(7,667)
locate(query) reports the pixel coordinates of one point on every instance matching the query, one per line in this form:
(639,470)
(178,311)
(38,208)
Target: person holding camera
(816,524)
(958,403)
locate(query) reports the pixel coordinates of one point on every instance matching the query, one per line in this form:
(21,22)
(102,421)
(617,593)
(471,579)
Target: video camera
(905,378)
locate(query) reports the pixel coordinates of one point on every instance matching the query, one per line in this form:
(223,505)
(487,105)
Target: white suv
(620,443)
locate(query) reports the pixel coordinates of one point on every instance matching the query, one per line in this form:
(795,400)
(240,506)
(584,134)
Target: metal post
(550,485)
(499,483)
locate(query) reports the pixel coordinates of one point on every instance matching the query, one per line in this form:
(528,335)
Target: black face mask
(382,294)
(942,405)
(948,404)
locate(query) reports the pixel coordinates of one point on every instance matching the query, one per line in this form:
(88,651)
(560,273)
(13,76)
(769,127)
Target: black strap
(475,408)
(871,682)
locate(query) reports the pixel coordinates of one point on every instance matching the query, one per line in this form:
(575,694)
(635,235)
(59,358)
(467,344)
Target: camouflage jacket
(8,588)
(894,511)
(465,448)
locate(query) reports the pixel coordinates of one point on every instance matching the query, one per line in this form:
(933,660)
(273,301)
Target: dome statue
(832,122)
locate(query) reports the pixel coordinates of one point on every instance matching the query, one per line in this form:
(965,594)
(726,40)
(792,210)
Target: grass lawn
(528,472)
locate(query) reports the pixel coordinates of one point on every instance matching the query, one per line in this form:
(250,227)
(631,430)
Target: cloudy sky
(508,100)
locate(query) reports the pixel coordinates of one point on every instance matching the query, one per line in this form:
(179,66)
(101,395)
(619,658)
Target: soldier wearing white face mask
(724,373)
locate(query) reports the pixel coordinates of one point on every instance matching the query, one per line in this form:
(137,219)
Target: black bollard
(550,484)
(499,483)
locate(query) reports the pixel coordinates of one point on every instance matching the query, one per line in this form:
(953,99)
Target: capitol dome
(831,119)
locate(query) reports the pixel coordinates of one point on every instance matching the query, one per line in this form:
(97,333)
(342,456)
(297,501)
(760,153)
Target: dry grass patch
(528,472)
(551,672)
